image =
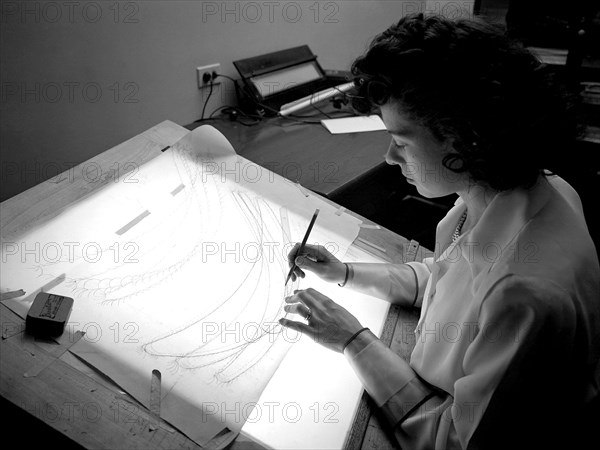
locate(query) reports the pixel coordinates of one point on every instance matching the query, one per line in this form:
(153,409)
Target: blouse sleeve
(516,318)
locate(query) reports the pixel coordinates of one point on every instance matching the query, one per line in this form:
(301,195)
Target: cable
(210,116)
(289,117)
(207,99)
(225,76)
(346,94)
(256,119)
(321,111)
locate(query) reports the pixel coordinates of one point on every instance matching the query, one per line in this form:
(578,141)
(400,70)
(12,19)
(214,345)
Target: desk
(324,163)
(98,414)
(348,169)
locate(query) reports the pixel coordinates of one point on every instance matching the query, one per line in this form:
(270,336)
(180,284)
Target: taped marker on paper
(133,223)
(12,294)
(51,285)
(177,190)
(370,244)
(373,226)
(37,368)
(10,329)
(155,392)
(155,398)
(302,190)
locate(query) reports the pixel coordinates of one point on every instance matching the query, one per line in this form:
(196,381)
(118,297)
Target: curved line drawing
(248,300)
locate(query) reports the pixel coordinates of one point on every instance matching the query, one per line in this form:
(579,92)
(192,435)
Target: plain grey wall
(80,77)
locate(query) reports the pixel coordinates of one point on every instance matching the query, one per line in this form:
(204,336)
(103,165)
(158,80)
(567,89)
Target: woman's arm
(402,284)
(509,382)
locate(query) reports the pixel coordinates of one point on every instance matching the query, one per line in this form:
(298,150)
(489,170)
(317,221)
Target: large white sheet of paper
(180,267)
(311,400)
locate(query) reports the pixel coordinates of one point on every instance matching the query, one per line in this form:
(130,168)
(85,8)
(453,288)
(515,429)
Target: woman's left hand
(328,323)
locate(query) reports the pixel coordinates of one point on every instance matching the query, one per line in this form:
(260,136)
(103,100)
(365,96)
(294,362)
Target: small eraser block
(48,314)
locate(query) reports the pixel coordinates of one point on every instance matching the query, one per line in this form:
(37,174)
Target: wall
(79,77)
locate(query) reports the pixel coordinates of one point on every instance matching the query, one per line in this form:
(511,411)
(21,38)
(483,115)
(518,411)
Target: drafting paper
(180,267)
(358,124)
(311,401)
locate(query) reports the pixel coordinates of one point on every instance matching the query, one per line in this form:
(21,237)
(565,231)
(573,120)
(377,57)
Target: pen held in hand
(301,249)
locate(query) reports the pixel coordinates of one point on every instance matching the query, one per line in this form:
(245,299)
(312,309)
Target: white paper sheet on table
(179,266)
(358,124)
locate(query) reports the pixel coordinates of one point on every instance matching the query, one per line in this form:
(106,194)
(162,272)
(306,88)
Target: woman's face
(419,154)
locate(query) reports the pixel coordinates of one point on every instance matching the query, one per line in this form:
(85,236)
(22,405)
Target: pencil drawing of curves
(231,333)
(238,341)
(162,254)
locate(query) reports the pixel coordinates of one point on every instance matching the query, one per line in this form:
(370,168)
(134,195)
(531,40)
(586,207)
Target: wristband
(346,277)
(416,285)
(352,338)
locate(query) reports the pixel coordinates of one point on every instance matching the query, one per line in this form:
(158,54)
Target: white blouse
(508,341)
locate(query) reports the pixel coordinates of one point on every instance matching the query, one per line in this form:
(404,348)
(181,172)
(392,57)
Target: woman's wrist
(359,343)
(345,276)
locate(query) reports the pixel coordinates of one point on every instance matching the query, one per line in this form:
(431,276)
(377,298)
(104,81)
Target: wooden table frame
(98,414)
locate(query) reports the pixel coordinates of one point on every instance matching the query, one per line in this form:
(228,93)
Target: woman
(515,272)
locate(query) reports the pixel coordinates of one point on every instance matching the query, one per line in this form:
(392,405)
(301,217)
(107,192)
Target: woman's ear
(449,146)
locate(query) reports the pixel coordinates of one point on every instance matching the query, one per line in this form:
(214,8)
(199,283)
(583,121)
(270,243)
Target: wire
(225,76)
(346,94)
(256,119)
(321,111)
(210,116)
(207,99)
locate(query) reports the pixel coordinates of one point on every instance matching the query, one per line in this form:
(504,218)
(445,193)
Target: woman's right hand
(316,259)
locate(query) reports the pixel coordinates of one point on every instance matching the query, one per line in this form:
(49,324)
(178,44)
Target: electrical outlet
(207,70)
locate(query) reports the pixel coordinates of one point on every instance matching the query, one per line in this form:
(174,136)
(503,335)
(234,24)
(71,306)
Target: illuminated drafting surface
(179,266)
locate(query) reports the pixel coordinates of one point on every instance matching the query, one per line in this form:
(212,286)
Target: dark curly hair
(471,85)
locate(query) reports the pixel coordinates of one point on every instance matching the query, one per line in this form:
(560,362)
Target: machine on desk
(275,79)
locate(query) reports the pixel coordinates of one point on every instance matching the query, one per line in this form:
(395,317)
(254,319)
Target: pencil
(301,249)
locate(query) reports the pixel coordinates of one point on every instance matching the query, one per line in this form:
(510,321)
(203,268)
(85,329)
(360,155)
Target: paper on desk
(180,267)
(357,124)
(311,400)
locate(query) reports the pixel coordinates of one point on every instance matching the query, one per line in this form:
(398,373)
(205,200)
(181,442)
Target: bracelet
(416,285)
(346,277)
(352,338)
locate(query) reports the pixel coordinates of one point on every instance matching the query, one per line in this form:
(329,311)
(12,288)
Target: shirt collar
(495,232)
